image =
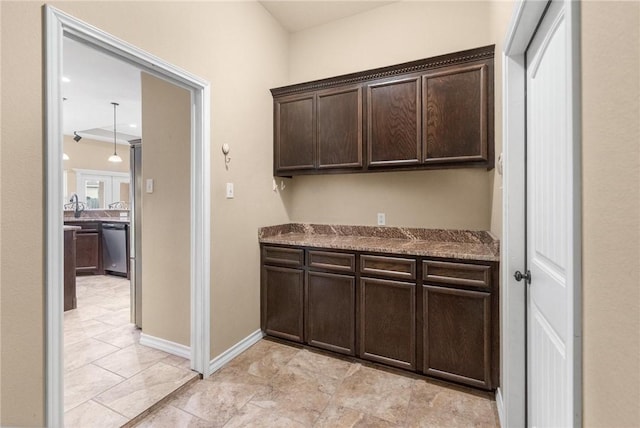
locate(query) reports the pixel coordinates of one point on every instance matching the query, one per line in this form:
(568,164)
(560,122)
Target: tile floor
(108,377)
(275,385)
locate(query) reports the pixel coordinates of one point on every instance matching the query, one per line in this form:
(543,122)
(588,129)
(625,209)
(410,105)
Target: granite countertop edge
(441,243)
(97,219)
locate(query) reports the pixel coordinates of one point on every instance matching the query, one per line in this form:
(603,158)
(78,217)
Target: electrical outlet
(382,219)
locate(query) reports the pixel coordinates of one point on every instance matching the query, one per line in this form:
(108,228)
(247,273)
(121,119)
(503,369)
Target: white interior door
(550,325)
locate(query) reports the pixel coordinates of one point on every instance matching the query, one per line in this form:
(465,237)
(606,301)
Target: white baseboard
(500,406)
(218,362)
(166,346)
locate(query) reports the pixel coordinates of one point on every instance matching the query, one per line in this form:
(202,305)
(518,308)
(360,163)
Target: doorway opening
(58,26)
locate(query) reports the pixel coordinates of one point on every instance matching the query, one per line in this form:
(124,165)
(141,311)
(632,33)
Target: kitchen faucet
(76,206)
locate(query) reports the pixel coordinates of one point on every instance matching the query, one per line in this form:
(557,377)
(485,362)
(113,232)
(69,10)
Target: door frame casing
(57,26)
(512,395)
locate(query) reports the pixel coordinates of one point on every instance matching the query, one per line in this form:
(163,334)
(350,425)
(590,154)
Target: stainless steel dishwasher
(114,248)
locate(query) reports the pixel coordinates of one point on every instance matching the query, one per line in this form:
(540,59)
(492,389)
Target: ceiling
(92,79)
(300,15)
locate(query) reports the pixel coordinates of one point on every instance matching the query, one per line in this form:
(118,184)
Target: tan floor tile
(77,330)
(294,380)
(304,406)
(174,360)
(375,392)
(121,337)
(216,401)
(171,417)
(82,384)
(335,416)
(89,312)
(257,417)
(94,415)
(318,363)
(131,360)
(139,392)
(84,352)
(116,318)
(263,359)
(435,405)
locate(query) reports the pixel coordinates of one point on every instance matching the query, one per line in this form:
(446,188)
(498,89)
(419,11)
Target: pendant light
(114,157)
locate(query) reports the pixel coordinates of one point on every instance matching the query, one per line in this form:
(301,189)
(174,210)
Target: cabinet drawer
(283,256)
(392,267)
(339,262)
(456,274)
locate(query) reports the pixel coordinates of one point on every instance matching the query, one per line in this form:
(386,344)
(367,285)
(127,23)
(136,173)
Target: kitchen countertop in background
(94,219)
(444,243)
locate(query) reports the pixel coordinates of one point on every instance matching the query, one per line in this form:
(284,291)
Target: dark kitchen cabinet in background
(70,300)
(88,248)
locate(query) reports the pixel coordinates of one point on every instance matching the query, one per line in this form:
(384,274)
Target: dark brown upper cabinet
(295,133)
(318,131)
(393,118)
(426,114)
(339,128)
(455,114)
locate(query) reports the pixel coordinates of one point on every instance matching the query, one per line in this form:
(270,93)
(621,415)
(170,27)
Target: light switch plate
(229,190)
(149,185)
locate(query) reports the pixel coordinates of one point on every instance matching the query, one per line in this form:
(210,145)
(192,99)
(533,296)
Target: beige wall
(166,151)
(22,310)
(91,154)
(611,212)
(242,51)
(399,32)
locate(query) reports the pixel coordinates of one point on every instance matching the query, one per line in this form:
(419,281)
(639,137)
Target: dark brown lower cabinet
(70,301)
(331,306)
(283,302)
(457,335)
(387,322)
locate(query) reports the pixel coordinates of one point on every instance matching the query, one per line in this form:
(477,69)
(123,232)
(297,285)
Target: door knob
(519,276)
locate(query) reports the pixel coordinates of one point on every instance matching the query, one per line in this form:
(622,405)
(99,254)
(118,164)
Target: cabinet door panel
(88,252)
(394,122)
(457,335)
(331,311)
(295,132)
(340,128)
(455,114)
(282,302)
(387,322)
